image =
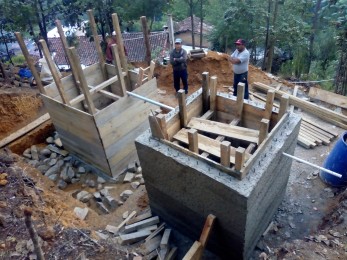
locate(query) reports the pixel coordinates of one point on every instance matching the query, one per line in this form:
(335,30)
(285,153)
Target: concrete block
(133,237)
(141,224)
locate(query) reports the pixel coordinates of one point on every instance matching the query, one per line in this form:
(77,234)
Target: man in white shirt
(240,61)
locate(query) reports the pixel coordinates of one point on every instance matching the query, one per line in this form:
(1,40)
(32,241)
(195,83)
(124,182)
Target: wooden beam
(237,132)
(120,43)
(321,112)
(118,68)
(194,252)
(30,62)
(12,137)
(109,94)
(269,104)
(158,126)
(146,39)
(239,99)
(93,28)
(205,90)
(182,108)
(295,92)
(140,77)
(54,72)
(151,70)
(317,129)
(239,158)
(225,153)
(328,97)
(264,129)
(193,140)
(283,106)
(310,122)
(206,231)
(161,119)
(83,81)
(213,93)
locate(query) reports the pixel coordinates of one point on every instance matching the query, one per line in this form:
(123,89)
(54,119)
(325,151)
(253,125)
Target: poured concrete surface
(183,191)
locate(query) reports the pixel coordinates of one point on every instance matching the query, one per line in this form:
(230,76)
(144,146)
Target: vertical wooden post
(182,108)
(269,103)
(205,90)
(151,70)
(295,92)
(161,119)
(264,130)
(213,94)
(146,39)
(120,43)
(83,81)
(54,72)
(97,43)
(140,77)
(284,102)
(239,158)
(225,153)
(118,69)
(239,99)
(171,32)
(193,140)
(30,62)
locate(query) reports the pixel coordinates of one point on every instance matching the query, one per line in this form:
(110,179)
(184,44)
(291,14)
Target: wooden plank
(239,99)
(30,62)
(206,144)
(92,26)
(194,252)
(284,102)
(213,93)
(239,158)
(133,237)
(237,132)
(208,115)
(225,153)
(156,232)
(155,127)
(172,254)
(118,67)
(151,70)
(317,129)
(314,135)
(310,138)
(269,104)
(141,224)
(54,72)
(310,122)
(182,108)
(140,77)
(321,112)
(83,81)
(305,143)
(264,129)
(328,97)
(143,216)
(205,91)
(164,243)
(193,140)
(295,92)
(206,231)
(12,137)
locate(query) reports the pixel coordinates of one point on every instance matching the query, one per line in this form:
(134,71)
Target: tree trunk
(272,40)
(192,22)
(263,67)
(2,70)
(313,33)
(201,21)
(341,75)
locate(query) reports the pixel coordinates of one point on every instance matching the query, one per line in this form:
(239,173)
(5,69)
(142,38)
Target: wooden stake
(54,72)
(158,126)
(161,119)
(182,108)
(151,71)
(97,43)
(205,234)
(269,104)
(30,62)
(171,31)
(140,77)
(225,153)
(213,93)
(118,67)
(264,130)
(205,90)
(239,99)
(193,140)
(295,92)
(83,81)
(283,106)
(146,39)
(239,158)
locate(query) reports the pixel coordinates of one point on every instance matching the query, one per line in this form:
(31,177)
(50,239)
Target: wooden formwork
(91,110)
(227,132)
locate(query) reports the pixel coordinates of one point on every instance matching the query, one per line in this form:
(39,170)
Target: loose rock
(81,213)
(84,196)
(62,184)
(34,153)
(126,194)
(50,140)
(128,177)
(100,180)
(135,185)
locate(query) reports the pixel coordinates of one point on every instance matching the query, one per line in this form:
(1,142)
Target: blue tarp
(25,73)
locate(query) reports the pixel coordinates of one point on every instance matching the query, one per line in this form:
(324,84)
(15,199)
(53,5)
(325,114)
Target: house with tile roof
(183,30)
(133,42)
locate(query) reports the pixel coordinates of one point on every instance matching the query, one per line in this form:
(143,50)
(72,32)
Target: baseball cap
(178,40)
(240,42)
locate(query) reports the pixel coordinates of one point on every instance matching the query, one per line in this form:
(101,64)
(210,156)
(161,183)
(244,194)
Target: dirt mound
(18,108)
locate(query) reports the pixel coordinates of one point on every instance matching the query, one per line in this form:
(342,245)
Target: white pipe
(150,101)
(313,165)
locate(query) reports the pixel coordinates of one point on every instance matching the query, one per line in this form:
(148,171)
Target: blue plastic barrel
(337,162)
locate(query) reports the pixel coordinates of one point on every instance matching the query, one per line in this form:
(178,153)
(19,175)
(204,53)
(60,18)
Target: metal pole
(313,165)
(150,101)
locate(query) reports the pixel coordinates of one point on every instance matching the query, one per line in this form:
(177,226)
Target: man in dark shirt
(178,60)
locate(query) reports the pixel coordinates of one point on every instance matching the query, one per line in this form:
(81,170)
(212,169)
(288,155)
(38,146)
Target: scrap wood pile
(311,134)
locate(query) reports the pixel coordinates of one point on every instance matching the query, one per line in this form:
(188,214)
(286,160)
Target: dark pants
(178,75)
(243,79)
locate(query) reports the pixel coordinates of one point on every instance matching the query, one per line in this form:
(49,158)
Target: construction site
(107,162)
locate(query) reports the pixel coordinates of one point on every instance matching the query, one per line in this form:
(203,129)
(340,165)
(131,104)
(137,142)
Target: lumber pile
(148,233)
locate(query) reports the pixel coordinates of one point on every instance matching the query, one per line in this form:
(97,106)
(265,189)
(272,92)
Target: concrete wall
(183,191)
